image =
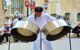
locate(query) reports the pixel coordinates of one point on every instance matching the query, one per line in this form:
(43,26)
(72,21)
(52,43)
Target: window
(67,18)
(17,5)
(46,0)
(78,2)
(54,15)
(4,4)
(67,15)
(78,17)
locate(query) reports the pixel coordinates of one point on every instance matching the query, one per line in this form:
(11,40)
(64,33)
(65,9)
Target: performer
(76,30)
(40,19)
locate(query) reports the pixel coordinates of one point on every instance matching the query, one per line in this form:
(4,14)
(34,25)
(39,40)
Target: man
(6,32)
(77,30)
(40,19)
(7,21)
(14,20)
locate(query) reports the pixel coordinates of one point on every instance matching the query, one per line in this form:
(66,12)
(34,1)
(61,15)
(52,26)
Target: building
(1,14)
(66,8)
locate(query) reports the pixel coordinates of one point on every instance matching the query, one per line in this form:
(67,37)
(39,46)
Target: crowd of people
(76,30)
(5,31)
(38,18)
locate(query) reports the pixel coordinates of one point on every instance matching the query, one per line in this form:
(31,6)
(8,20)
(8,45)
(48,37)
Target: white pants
(41,40)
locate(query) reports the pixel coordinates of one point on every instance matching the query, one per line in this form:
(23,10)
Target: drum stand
(9,43)
(40,41)
(70,40)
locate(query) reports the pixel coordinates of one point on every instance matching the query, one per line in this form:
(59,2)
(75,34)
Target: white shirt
(14,21)
(8,22)
(41,21)
(3,29)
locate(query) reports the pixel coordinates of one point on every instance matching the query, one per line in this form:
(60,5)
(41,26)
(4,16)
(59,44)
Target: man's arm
(50,18)
(30,18)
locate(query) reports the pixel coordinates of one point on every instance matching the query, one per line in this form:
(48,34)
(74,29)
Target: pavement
(61,44)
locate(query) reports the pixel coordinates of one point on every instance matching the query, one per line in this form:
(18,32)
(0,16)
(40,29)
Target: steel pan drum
(56,29)
(25,31)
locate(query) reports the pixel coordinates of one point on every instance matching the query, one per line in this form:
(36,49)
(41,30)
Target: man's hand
(40,30)
(6,31)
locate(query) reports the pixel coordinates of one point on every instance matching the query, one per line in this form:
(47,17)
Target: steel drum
(25,31)
(56,29)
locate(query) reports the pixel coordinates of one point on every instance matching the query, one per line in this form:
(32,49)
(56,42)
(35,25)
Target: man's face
(7,18)
(38,14)
(5,25)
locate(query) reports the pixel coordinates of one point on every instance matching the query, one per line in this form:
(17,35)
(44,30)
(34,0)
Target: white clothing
(41,21)
(3,29)
(14,21)
(8,22)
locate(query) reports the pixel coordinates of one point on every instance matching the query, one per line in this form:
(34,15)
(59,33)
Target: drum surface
(56,29)
(25,31)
